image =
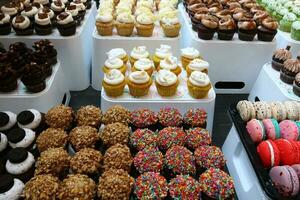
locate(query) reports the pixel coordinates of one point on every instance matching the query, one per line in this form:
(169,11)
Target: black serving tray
(261,172)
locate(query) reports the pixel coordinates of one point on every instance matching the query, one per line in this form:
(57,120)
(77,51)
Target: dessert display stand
(52,95)
(284,39)
(73,51)
(102,44)
(234,65)
(269,87)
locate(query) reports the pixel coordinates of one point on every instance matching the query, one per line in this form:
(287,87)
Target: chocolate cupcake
(10,8)
(41,187)
(209,156)
(30,12)
(66,24)
(60,116)
(34,77)
(115,133)
(247,29)
(223,13)
(31,119)
(143,138)
(260,16)
(10,187)
(58,7)
(89,116)
(150,159)
(7,120)
(80,6)
(50,13)
(196,137)
(44,52)
(116,114)
(184,187)
(42,2)
(8,77)
(5,26)
(196,19)
(280,56)
(170,117)
(19,55)
(42,24)
(193,8)
(296,85)
(22,137)
(117,157)
(20,164)
(52,138)
(22,25)
(171,136)
(195,118)
(84,136)
(227,28)
(87,3)
(291,67)
(208,27)
(114,185)
(75,13)
(267,30)
(144,118)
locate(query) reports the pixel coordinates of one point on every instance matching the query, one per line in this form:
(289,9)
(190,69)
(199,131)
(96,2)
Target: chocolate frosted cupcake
(170,136)
(22,137)
(184,187)
(7,120)
(89,116)
(22,25)
(209,156)
(50,13)
(10,8)
(42,2)
(52,138)
(30,12)
(170,117)
(75,13)
(5,26)
(31,119)
(8,77)
(280,56)
(193,8)
(41,187)
(116,114)
(114,185)
(60,116)
(84,136)
(80,6)
(115,133)
(42,24)
(19,55)
(290,68)
(196,20)
(247,29)
(260,16)
(117,157)
(150,159)
(196,137)
(66,24)
(296,85)
(44,52)
(195,118)
(208,27)
(77,186)
(10,187)
(227,28)
(144,118)
(34,77)
(57,6)
(267,30)
(142,138)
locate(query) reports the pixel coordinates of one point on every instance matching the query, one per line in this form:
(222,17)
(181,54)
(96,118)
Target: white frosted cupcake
(31,119)
(125,24)
(11,188)
(138,53)
(166,83)
(144,64)
(198,84)
(170,63)
(197,65)
(139,83)
(114,63)
(161,53)
(187,55)
(7,120)
(21,137)
(118,53)
(114,83)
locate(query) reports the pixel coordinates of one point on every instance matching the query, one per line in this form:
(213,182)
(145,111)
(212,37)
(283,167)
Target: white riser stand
(269,87)
(52,95)
(102,44)
(240,168)
(284,39)
(75,51)
(235,60)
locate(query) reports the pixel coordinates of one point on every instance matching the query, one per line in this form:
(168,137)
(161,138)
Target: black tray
(261,172)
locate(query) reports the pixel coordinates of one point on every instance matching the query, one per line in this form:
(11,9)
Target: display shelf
(232,63)
(53,94)
(102,44)
(269,87)
(73,51)
(284,39)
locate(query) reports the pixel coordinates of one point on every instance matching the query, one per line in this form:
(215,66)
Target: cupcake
(198,85)
(114,63)
(55,161)
(227,28)
(37,5)
(143,138)
(115,133)
(208,27)
(170,117)
(286,23)
(89,116)
(19,137)
(118,53)
(104,23)
(42,2)
(138,53)
(44,52)
(114,83)
(5,26)
(144,118)
(87,3)
(295,31)
(10,187)
(143,64)
(34,77)
(52,138)
(197,137)
(179,160)
(161,53)
(187,55)
(60,116)
(42,24)
(151,185)
(50,13)
(216,184)
(7,120)
(184,187)
(117,156)
(125,24)
(171,136)
(66,24)
(30,12)
(20,164)
(149,159)
(296,85)
(22,25)
(209,157)
(247,29)
(31,119)
(166,83)
(115,184)
(170,63)
(195,118)
(10,8)
(267,30)
(9,79)
(57,7)
(80,6)
(139,83)
(72,9)
(116,114)
(77,186)
(260,16)
(41,187)
(84,136)
(290,69)
(280,56)
(170,26)
(197,65)
(145,24)
(196,19)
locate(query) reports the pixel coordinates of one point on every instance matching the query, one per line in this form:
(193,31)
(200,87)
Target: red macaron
(289,151)
(268,153)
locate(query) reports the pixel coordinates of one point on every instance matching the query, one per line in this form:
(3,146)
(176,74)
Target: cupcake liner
(104,29)
(171,31)
(246,35)
(138,90)
(125,29)
(167,91)
(198,92)
(113,90)
(144,30)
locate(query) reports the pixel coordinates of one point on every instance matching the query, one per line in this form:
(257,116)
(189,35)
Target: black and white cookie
(10,187)
(20,164)
(31,119)
(7,120)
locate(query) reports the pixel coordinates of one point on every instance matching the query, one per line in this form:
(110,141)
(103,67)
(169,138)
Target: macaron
(256,130)
(289,154)
(272,128)
(296,167)
(285,180)
(292,110)
(289,130)
(246,110)
(278,110)
(262,109)
(268,153)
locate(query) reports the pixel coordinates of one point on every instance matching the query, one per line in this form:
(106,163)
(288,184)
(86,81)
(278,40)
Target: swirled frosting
(125,18)
(47,11)
(21,22)
(9,10)
(42,19)
(113,63)
(143,64)
(113,77)
(139,77)
(190,53)
(139,52)
(72,10)
(169,21)
(142,10)
(64,18)
(116,53)
(30,11)
(80,6)
(292,65)
(198,78)
(282,54)
(43,2)
(227,23)
(164,51)
(22,167)
(145,18)
(198,65)
(4,18)
(147,4)
(166,78)
(57,6)
(104,17)
(169,63)
(210,21)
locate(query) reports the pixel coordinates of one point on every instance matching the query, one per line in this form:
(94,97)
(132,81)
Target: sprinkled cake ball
(195,118)
(196,137)
(143,118)
(142,138)
(170,117)
(171,136)
(210,156)
(149,159)
(184,187)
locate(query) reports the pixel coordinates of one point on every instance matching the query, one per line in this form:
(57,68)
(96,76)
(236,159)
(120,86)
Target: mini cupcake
(216,184)
(114,63)
(80,6)
(267,30)
(150,185)
(195,118)
(290,69)
(10,8)
(20,164)
(52,138)
(161,53)
(89,116)
(84,136)
(280,56)
(149,159)
(31,119)
(118,53)
(44,52)
(115,184)
(7,120)
(144,118)
(196,20)
(60,116)
(30,12)
(296,85)
(143,138)
(208,27)
(138,53)
(117,156)
(66,24)
(116,114)
(42,24)
(198,85)
(22,25)
(197,137)
(5,26)
(125,24)
(179,160)
(34,77)
(209,156)
(114,83)
(41,187)
(104,23)
(50,13)
(139,83)
(10,187)
(170,63)
(260,16)
(145,24)
(286,23)
(187,55)
(247,29)
(197,65)
(57,7)
(143,64)
(72,9)
(170,26)
(42,2)
(9,78)
(166,83)
(19,137)
(170,117)
(77,186)
(184,187)
(115,133)
(171,136)
(227,28)
(295,31)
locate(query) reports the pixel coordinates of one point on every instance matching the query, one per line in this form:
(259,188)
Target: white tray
(53,94)
(269,87)
(284,39)
(74,51)
(230,61)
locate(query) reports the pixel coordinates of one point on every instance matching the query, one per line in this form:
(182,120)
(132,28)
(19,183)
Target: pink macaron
(272,128)
(256,130)
(289,130)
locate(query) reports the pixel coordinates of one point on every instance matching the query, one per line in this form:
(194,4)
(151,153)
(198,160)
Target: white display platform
(75,51)
(102,44)
(53,94)
(230,61)
(284,39)
(269,87)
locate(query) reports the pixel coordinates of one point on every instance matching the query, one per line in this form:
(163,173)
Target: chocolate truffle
(184,187)
(60,117)
(116,114)
(196,137)
(170,117)
(52,138)
(171,136)
(143,118)
(89,116)
(195,118)
(209,156)
(142,138)
(115,133)
(149,159)
(84,136)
